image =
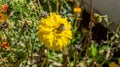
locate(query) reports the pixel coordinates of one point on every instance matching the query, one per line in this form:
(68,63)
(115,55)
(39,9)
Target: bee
(61,28)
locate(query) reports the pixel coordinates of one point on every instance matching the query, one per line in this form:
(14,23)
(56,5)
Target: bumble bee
(61,28)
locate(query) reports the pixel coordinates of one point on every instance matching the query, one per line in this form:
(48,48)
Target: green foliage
(94,50)
(23,17)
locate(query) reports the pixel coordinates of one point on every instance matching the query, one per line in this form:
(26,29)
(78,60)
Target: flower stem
(61,7)
(76,22)
(57,4)
(48,2)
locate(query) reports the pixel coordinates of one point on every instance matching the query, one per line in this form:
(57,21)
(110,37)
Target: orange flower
(2,17)
(5,45)
(5,7)
(77,10)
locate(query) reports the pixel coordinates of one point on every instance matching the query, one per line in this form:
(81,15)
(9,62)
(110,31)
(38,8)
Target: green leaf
(94,50)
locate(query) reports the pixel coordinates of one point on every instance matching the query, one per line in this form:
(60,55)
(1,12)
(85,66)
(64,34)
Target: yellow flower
(77,10)
(113,64)
(54,31)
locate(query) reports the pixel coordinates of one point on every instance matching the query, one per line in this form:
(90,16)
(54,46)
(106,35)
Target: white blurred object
(108,7)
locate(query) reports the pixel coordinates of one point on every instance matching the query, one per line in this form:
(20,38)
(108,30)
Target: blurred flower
(119,60)
(5,45)
(54,31)
(113,64)
(77,10)
(5,7)
(2,17)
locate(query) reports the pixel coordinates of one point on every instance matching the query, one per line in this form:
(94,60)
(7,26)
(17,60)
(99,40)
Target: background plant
(19,32)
